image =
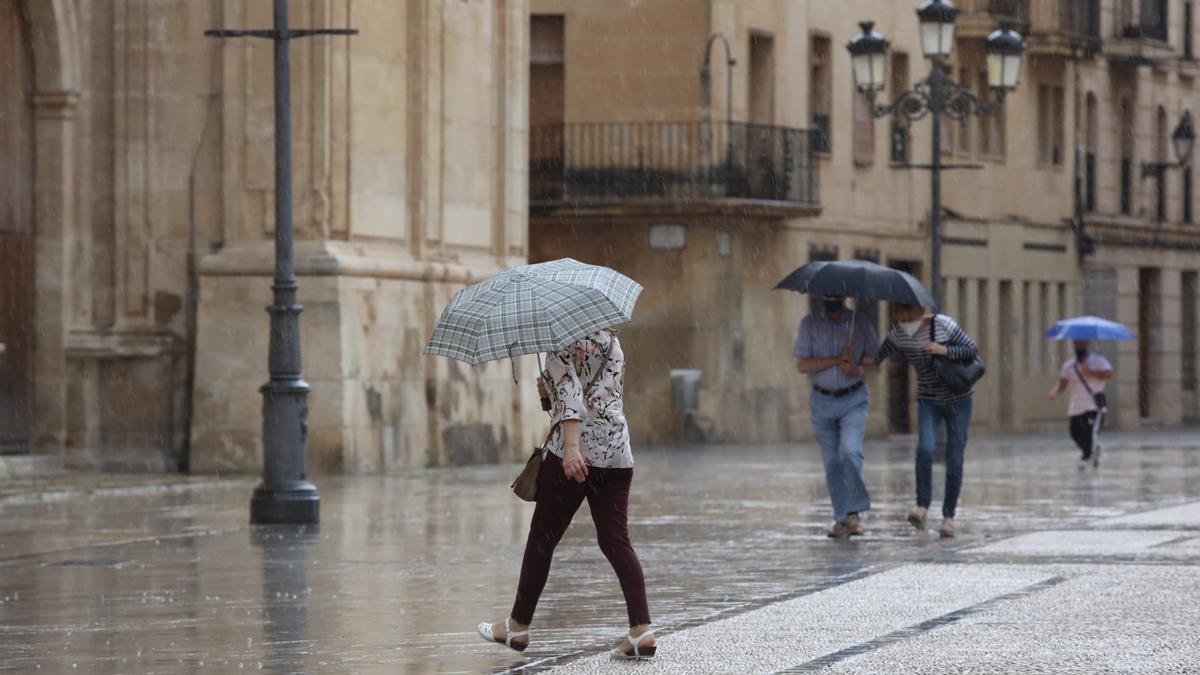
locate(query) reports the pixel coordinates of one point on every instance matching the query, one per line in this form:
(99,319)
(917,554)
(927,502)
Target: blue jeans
(957,417)
(839,424)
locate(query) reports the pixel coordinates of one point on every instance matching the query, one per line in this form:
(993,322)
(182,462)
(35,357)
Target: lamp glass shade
(937,38)
(868,71)
(1003,70)
(1183,139)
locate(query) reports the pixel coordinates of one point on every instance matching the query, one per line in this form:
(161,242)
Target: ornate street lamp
(868,56)
(937,95)
(1004,49)
(1182,141)
(936,19)
(285,495)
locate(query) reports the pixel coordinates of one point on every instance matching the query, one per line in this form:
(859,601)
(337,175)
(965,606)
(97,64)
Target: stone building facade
(138,238)
(1021,248)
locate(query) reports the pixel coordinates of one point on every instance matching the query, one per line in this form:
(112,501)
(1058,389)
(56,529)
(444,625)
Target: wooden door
(16,232)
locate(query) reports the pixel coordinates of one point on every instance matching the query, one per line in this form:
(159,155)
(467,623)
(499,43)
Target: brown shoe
(919,518)
(947,528)
(839,531)
(854,525)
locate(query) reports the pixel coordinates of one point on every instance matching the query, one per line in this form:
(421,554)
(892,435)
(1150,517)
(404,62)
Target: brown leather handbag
(525,485)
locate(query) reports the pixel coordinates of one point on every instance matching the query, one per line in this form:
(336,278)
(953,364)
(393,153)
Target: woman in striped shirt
(912,336)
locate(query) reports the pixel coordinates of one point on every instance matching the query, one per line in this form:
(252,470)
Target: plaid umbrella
(532,309)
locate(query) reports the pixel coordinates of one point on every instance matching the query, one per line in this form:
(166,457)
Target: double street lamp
(938,95)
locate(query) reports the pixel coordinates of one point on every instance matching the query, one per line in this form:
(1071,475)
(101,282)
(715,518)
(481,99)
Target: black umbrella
(858,279)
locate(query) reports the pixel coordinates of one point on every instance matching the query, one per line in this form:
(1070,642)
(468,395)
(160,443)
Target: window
(899,128)
(1127,116)
(1187,31)
(985,121)
(820,95)
(964,126)
(1160,156)
(762,78)
(1050,125)
(1188,292)
(864,130)
(1091,139)
(947,134)
(1187,195)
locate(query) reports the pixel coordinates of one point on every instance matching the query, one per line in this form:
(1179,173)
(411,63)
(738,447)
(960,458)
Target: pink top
(1081,401)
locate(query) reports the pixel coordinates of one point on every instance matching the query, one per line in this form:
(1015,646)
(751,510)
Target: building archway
(39,88)
(16,231)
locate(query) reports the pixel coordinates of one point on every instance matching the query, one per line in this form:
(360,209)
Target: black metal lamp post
(937,95)
(706,92)
(1182,141)
(285,495)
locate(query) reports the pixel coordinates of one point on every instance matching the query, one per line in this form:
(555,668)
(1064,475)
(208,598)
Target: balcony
(1139,31)
(1062,27)
(672,167)
(978,18)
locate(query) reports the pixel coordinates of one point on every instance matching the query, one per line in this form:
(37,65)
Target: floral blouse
(604,442)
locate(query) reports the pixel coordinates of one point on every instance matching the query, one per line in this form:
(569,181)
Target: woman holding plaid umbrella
(565,308)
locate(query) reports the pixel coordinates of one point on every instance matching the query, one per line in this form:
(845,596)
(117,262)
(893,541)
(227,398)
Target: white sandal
(485,630)
(639,653)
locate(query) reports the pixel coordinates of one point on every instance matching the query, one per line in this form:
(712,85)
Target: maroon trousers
(607,493)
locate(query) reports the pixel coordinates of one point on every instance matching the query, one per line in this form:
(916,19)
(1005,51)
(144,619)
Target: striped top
(821,337)
(947,332)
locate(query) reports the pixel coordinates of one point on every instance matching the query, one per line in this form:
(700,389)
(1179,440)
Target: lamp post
(938,95)
(1182,141)
(285,495)
(706,93)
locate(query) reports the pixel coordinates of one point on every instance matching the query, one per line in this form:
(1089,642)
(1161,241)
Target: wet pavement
(1055,570)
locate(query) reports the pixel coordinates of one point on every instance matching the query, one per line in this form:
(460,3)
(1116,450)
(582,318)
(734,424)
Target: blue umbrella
(1089,328)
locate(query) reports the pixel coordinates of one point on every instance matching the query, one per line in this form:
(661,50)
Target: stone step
(28,466)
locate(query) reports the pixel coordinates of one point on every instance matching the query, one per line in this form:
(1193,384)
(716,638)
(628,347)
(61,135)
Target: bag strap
(1082,379)
(933,327)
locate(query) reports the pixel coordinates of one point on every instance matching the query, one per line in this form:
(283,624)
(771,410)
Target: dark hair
(902,307)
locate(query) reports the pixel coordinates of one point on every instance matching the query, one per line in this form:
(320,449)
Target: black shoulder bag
(957,376)
(1100,399)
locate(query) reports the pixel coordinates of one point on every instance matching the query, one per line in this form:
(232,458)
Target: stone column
(54,216)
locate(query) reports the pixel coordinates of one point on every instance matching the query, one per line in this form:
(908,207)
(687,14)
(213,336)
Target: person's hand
(936,349)
(847,353)
(847,367)
(1053,394)
(542,393)
(574,467)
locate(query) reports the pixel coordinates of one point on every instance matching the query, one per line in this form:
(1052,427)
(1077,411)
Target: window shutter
(864,132)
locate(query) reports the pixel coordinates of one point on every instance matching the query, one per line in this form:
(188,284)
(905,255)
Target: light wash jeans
(839,424)
(957,418)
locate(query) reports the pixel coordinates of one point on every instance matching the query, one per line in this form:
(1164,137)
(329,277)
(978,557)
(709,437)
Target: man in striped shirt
(920,337)
(831,348)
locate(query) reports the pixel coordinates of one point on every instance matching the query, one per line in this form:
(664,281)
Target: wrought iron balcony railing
(1014,11)
(688,163)
(1079,19)
(1141,19)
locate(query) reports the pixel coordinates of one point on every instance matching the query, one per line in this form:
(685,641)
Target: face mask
(910,328)
(832,305)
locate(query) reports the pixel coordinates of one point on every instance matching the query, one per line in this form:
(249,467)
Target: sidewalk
(1055,571)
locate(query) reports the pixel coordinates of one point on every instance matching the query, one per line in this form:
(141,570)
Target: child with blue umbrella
(1086,376)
